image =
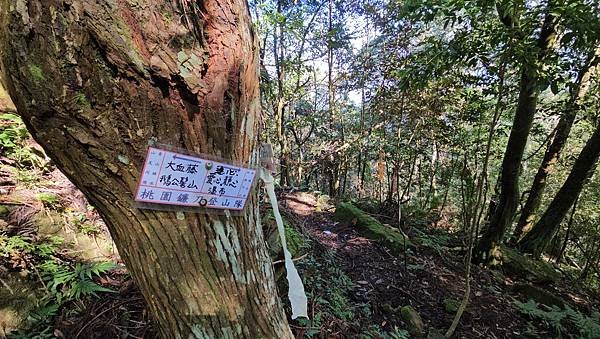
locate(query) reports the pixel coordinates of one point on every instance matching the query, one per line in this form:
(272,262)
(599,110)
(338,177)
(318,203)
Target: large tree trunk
(540,235)
(563,128)
(95,80)
(503,214)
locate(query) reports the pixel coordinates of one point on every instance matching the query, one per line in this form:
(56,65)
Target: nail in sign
(178,179)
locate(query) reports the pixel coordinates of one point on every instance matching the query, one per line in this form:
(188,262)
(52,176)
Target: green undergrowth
(561,319)
(436,242)
(328,289)
(52,279)
(50,200)
(323,202)
(327,286)
(331,309)
(44,269)
(28,162)
(412,214)
(13,143)
(375,332)
(296,242)
(12,132)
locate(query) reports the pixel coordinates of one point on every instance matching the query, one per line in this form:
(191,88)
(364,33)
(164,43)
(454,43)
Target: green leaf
(567,38)
(554,87)
(10,117)
(543,84)
(87,287)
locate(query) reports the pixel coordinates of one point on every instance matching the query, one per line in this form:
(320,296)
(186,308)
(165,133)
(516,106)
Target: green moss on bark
(37,73)
(370,227)
(540,295)
(516,264)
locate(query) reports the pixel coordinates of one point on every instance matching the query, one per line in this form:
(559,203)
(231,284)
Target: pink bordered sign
(171,178)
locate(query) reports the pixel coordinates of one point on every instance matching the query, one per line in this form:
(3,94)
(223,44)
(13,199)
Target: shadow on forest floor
(428,278)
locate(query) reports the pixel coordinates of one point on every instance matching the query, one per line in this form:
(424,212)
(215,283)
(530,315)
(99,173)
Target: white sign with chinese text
(178,179)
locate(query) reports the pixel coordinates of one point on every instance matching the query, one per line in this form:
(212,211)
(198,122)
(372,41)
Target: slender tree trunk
(448,185)
(334,186)
(509,178)
(540,235)
(591,257)
(567,232)
(361,127)
(300,176)
(432,180)
(419,180)
(344,176)
(279,56)
(393,180)
(563,128)
(95,81)
(410,176)
(469,225)
(333,179)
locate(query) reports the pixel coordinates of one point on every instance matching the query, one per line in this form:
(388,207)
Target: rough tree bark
(540,235)
(563,128)
(95,80)
(503,214)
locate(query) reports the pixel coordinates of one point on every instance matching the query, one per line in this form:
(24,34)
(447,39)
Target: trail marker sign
(172,178)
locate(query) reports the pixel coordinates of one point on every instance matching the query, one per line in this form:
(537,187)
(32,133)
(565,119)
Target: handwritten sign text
(179,179)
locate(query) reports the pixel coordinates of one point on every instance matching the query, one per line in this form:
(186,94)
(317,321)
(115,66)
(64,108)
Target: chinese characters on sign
(178,179)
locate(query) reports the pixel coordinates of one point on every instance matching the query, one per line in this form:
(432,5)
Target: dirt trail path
(422,279)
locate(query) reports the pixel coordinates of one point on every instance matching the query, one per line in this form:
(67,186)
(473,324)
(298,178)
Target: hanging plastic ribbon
(296,292)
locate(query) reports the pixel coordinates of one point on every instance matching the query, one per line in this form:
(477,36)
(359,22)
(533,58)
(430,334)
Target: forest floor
(426,278)
(49,220)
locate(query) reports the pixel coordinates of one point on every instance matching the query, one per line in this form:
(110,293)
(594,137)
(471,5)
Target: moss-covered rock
(86,246)
(413,321)
(17,300)
(450,305)
(4,211)
(536,271)
(371,228)
(540,295)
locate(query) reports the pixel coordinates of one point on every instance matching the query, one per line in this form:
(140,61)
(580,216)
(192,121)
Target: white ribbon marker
(296,288)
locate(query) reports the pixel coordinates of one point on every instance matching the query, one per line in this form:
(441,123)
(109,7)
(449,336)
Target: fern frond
(87,287)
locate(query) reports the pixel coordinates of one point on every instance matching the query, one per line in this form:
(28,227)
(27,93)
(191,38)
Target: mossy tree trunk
(508,200)
(540,235)
(563,128)
(95,80)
